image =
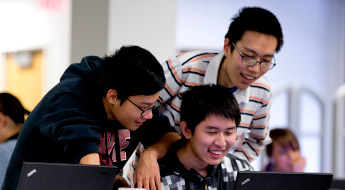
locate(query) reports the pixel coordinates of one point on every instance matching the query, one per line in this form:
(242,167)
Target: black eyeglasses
(146,111)
(247,60)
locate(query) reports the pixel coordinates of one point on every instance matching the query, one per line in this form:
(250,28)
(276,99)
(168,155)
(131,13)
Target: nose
(149,115)
(254,68)
(220,141)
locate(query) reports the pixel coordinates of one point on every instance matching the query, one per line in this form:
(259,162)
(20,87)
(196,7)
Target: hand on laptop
(147,174)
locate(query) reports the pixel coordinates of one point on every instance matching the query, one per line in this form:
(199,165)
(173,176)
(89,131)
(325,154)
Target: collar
(242,95)
(211,78)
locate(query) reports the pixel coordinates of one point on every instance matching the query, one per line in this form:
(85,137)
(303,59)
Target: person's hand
(298,164)
(147,174)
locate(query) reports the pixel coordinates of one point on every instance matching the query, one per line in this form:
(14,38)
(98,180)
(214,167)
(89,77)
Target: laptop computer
(337,184)
(258,180)
(58,176)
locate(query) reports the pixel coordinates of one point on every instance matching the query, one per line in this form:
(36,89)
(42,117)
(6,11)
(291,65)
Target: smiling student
(253,38)
(97,114)
(201,159)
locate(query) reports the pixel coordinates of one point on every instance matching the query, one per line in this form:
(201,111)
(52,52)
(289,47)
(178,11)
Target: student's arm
(68,121)
(258,136)
(91,159)
(173,74)
(147,174)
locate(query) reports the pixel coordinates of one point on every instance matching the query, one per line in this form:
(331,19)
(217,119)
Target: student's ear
(227,47)
(111,96)
(185,130)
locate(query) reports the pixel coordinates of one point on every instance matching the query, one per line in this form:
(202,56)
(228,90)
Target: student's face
(128,114)
(254,44)
(212,140)
(284,157)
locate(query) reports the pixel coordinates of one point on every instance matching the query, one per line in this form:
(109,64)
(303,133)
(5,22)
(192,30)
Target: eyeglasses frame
(144,110)
(272,64)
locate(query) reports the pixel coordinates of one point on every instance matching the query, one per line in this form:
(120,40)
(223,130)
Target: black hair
(202,101)
(131,71)
(12,107)
(254,19)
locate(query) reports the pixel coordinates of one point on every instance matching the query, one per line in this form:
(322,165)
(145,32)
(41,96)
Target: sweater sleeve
(68,122)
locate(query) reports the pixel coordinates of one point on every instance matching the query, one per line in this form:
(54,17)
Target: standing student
(284,152)
(12,117)
(97,114)
(253,38)
(201,159)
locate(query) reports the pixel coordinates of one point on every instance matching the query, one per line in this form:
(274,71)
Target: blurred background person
(12,116)
(284,152)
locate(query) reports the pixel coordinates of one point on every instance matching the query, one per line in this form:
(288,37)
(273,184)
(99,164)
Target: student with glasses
(253,38)
(97,114)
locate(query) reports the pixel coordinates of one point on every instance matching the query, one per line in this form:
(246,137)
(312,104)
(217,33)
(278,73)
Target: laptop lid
(337,184)
(283,181)
(58,176)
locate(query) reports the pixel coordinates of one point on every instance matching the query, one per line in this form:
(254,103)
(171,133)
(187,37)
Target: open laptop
(283,181)
(337,184)
(58,176)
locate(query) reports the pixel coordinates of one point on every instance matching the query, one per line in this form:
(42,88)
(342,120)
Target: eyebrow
(147,103)
(254,52)
(213,127)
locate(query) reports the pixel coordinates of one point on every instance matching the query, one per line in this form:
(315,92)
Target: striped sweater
(199,67)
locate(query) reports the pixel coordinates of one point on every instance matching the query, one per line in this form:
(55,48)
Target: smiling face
(210,142)
(127,113)
(254,44)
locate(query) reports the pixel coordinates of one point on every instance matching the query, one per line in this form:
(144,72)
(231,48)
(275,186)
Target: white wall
(30,25)
(149,24)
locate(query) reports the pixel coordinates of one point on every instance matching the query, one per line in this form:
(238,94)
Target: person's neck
(223,78)
(9,131)
(189,160)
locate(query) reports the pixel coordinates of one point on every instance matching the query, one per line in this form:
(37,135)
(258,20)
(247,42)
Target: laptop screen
(58,176)
(283,181)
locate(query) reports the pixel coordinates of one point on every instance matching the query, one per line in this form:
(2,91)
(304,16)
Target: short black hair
(12,107)
(255,19)
(202,101)
(131,71)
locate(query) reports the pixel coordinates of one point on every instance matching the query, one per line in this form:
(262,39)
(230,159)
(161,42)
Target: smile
(217,152)
(247,77)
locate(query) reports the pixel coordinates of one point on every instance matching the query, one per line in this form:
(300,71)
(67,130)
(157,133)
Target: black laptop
(337,184)
(57,176)
(283,181)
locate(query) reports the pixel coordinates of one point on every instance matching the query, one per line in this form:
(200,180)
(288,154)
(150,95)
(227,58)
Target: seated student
(284,152)
(12,116)
(97,114)
(200,160)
